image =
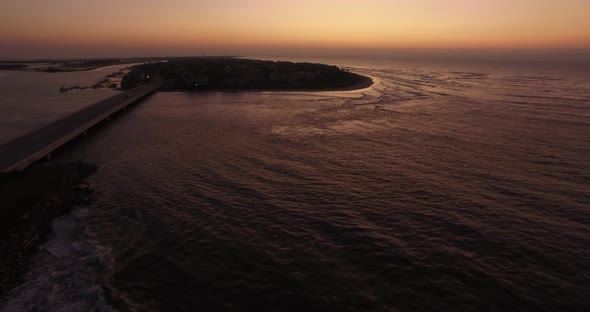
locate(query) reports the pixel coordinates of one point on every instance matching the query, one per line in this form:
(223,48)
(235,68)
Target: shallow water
(439,188)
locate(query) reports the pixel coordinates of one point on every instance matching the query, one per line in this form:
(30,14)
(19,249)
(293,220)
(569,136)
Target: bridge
(30,148)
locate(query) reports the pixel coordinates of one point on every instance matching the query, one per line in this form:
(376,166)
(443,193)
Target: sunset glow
(224,26)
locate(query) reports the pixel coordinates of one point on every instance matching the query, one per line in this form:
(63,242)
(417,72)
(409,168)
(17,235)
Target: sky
(91,28)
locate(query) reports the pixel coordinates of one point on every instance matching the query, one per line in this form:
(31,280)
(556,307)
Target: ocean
(443,187)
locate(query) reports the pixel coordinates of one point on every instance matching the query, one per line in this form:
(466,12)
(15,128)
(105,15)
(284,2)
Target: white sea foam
(64,273)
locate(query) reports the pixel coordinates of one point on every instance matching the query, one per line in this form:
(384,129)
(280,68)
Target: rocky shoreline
(32,199)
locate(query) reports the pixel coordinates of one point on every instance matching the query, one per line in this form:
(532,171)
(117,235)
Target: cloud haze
(73,28)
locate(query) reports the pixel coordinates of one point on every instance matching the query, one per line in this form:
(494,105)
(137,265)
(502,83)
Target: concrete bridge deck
(29,148)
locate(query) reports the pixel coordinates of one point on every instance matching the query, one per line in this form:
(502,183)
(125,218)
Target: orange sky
(30,27)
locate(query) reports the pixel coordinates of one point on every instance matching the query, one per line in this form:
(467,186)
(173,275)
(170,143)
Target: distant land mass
(68,65)
(237,74)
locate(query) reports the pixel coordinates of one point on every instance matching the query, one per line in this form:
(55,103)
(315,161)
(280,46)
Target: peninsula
(238,74)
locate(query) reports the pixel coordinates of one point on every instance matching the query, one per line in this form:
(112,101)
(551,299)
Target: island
(239,74)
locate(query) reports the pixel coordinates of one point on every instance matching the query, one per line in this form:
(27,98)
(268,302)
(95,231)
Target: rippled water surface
(436,189)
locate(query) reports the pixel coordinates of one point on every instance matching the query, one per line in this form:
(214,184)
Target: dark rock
(31,200)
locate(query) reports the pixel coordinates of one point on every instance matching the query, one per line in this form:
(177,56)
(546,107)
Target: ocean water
(444,187)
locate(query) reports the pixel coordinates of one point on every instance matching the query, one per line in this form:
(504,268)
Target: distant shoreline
(67,66)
